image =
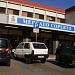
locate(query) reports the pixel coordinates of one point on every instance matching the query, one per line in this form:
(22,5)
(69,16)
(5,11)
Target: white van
(31,51)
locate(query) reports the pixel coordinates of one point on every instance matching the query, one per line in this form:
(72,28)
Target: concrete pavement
(51,56)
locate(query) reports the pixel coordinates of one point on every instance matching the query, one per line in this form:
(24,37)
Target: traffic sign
(36,25)
(35,30)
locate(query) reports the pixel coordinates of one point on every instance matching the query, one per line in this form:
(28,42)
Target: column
(26,35)
(34,12)
(56,17)
(45,15)
(55,42)
(20,11)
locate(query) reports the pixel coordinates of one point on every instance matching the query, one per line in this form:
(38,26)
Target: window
(50,18)
(16,12)
(30,14)
(27,45)
(27,14)
(39,16)
(39,46)
(21,46)
(11,11)
(2,10)
(24,13)
(60,20)
(3,43)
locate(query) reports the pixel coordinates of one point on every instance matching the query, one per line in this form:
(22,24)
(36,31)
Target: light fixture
(6,33)
(11,27)
(71,34)
(45,31)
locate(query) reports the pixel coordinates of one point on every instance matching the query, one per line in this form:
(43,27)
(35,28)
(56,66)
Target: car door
(26,49)
(19,50)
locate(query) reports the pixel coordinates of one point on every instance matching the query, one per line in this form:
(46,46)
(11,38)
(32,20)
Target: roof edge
(70,9)
(37,5)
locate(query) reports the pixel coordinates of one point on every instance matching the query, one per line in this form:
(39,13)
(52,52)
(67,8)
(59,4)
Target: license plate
(40,56)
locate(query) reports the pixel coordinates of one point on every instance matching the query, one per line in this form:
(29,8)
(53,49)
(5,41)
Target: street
(18,67)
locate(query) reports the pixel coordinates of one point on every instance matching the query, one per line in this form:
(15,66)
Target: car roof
(3,38)
(33,42)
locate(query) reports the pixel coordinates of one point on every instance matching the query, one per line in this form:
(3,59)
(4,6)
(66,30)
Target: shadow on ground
(60,65)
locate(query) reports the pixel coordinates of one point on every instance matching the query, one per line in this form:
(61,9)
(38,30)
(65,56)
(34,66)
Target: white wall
(61,16)
(3,18)
(31,9)
(39,11)
(2,4)
(13,6)
(51,13)
(25,8)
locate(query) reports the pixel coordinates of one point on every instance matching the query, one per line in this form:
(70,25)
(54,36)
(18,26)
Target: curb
(51,57)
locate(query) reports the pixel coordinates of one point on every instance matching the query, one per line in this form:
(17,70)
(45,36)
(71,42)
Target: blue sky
(63,4)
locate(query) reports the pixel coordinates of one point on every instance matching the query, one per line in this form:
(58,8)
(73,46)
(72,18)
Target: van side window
(27,45)
(21,46)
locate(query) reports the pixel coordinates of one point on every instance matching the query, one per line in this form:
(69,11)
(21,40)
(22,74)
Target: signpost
(36,29)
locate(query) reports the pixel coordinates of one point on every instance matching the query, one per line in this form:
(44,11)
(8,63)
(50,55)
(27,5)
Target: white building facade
(19,16)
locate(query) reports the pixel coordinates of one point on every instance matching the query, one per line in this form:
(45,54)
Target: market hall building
(20,20)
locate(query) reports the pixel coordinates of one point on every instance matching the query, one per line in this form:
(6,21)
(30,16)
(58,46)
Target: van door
(19,50)
(26,50)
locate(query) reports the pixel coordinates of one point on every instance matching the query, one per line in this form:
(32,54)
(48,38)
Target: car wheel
(15,57)
(43,60)
(59,62)
(57,57)
(66,63)
(12,55)
(8,64)
(28,60)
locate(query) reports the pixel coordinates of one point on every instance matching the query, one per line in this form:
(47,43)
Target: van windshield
(39,46)
(73,49)
(3,43)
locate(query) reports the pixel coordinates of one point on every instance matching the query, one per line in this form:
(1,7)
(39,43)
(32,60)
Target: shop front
(20,29)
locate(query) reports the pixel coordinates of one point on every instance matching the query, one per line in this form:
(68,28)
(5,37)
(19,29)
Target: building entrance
(14,36)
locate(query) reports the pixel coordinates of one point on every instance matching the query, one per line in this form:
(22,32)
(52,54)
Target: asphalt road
(18,67)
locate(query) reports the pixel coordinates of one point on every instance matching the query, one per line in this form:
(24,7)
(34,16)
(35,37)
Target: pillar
(26,35)
(55,42)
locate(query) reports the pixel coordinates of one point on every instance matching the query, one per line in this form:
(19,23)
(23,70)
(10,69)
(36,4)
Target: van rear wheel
(43,60)
(28,60)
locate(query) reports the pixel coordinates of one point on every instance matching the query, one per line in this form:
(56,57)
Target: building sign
(29,22)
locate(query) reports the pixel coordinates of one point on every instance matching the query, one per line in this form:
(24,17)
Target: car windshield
(39,46)
(67,48)
(3,43)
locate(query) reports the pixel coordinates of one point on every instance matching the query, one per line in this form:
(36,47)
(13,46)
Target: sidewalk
(51,56)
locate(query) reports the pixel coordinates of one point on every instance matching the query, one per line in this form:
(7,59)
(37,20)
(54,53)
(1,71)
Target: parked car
(31,51)
(5,51)
(65,53)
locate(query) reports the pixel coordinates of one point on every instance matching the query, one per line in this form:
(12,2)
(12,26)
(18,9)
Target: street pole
(36,29)
(36,37)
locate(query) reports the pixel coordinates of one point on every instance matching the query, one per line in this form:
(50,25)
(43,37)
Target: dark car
(5,51)
(65,53)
